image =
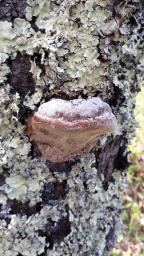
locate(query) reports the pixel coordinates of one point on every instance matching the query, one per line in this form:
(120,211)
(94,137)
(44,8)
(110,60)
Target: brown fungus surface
(63,129)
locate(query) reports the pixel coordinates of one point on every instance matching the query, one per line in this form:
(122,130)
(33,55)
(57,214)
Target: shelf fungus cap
(63,129)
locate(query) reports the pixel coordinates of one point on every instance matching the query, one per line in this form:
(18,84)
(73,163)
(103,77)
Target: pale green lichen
(35,98)
(15,187)
(62,38)
(86,212)
(72,40)
(4,70)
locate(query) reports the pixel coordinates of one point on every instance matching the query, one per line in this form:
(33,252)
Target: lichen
(86,213)
(64,49)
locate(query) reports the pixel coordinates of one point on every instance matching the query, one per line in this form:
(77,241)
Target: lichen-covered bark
(65,49)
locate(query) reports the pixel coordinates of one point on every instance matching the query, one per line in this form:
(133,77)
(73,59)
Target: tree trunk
(65,49)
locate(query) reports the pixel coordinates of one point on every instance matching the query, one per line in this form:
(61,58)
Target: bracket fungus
(63,129)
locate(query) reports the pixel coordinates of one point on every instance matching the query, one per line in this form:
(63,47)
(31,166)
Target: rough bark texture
(65,49)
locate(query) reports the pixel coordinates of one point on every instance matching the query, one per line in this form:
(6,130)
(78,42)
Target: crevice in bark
(52,192)
(63,167)
(111,157)
(11,9)
(17,207)
(118,98)
(110,240)
(20,79)
(55,232)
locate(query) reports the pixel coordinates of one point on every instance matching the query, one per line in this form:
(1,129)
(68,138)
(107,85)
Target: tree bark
(65,49)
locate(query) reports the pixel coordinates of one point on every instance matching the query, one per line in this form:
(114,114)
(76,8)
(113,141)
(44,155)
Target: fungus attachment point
(63,129)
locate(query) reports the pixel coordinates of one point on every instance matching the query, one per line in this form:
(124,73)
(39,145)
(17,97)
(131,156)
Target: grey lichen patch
(74,36)
(4,70)
(72,42)
(15,187)
(88,209)
(14,37)
(13,144)
(32,101)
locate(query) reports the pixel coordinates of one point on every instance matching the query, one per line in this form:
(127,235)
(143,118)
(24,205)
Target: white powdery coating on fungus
(84,108)
(78,113)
